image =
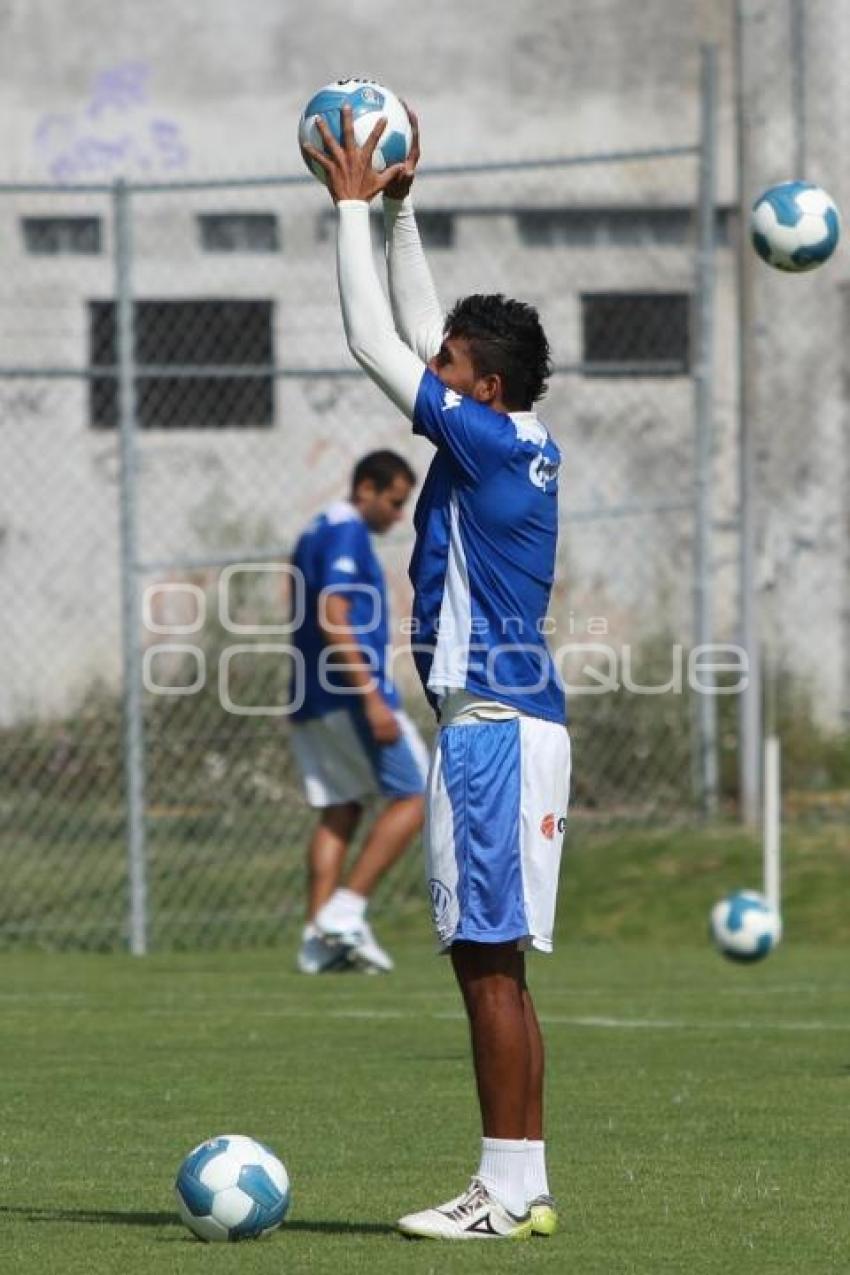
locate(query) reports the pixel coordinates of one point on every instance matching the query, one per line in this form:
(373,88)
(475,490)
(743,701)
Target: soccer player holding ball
(482,569)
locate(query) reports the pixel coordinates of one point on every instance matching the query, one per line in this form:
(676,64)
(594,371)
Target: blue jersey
(335,555)
(484,561)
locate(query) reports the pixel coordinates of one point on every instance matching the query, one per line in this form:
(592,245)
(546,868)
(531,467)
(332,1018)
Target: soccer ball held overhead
(369,101)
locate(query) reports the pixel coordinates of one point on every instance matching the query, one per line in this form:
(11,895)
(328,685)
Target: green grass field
(697,1109)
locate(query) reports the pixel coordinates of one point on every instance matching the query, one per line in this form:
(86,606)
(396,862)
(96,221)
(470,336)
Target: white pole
(772,822)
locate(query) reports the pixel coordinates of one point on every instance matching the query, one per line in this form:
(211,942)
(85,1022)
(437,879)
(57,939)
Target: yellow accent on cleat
(544,1216)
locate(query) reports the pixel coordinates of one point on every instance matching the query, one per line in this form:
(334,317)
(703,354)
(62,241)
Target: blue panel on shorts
(482,774)
(395,767)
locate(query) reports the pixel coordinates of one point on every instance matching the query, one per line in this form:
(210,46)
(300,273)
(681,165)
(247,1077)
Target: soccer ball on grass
(232,1188)
(745,927)
(795,226)
(368,101)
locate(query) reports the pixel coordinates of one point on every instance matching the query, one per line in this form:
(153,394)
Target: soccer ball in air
(368,101)
(232,1188)
(745,927)
(795,226)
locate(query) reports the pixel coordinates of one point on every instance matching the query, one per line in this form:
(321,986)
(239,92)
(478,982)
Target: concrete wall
(194,90)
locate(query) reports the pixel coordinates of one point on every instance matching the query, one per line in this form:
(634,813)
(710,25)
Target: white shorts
(340,762)
(496,813)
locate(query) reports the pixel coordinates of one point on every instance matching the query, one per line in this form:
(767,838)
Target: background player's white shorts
(339,761)
(496,813)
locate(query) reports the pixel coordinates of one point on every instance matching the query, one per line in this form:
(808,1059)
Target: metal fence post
(134,744)
(704,430)
(750,701)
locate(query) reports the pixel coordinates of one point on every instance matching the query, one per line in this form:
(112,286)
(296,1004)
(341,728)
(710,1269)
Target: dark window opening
(202,364)
(239,232)
(52,236)
(614,227)
(436,228)
(650,330)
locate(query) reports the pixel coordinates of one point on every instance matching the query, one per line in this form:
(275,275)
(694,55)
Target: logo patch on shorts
(441,897)
(549,824)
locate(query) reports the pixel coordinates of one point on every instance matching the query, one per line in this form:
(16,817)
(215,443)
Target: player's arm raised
(418,315)
(366,314)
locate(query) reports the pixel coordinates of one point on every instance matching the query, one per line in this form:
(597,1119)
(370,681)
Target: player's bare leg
(327,850)
(508,1054)
(325,860)
(544,1215)
(491,977)
(534,1097)
(390,835)
(343,919)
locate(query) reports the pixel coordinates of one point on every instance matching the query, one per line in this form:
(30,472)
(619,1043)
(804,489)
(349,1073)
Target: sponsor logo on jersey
(345,564)
(549,823)
(451,399)
(542,471)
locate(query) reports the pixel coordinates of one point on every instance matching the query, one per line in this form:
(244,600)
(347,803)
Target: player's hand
(399,187)
(348,167)
(382,720)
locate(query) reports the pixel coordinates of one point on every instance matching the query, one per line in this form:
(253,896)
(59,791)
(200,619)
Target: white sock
(502,1170)
(536,1180)
(344,910)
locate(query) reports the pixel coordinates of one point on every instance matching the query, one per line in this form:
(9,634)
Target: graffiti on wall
(116,132)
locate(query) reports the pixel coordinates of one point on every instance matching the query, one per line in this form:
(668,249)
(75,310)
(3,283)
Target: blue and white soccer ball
(795,226)
(368,101)
(745,927)
(232,1188)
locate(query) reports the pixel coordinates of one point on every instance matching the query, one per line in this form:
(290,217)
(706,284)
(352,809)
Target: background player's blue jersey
(335,553)
(483,566)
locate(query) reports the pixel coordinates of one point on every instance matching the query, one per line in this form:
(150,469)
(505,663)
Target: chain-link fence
(794,454)
(178,402)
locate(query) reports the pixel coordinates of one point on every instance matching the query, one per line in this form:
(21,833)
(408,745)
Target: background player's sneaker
(475,1215)
(365,952)
(358,947)
(317,956)
(544,1215)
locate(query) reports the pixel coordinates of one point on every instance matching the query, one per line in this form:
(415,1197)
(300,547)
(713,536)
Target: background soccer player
(350,737)
(482,569)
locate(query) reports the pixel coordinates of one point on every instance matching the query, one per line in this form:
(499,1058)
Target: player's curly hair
(505,337)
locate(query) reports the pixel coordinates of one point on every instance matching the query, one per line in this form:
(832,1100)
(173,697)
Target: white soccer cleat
(317,956)
(365,952)
(475,1215)
(358,948)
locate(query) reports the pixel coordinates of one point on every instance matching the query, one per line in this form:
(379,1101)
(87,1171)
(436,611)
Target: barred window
(202,363)
(436,227)
(51,236)
(622,227)
(644,333)
(239,232)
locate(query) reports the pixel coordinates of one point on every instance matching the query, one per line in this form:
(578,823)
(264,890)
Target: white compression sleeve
(369,327)
(416,306)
